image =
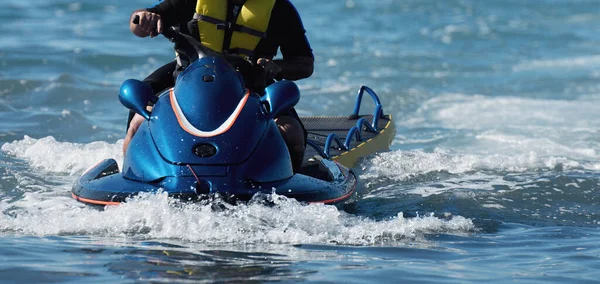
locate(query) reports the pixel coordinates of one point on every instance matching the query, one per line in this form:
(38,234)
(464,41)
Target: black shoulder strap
(228,29)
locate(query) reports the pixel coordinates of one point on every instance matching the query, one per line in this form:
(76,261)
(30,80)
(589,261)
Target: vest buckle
(223,26)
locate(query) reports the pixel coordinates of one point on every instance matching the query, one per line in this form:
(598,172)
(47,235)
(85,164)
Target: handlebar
(192,49)
(170,33)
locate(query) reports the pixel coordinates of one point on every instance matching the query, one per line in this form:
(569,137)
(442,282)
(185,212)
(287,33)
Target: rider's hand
(149,24)
(271,68)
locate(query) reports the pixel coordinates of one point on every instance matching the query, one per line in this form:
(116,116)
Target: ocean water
(493,174)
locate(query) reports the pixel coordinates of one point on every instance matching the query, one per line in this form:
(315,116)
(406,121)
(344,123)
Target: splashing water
(52,211)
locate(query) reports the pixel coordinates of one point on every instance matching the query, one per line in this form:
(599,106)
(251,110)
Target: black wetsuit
(285,32)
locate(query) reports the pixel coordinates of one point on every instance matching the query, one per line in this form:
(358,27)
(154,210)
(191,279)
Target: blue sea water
(493,174)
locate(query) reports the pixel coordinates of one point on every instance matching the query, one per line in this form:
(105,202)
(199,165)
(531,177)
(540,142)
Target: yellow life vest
(249,28)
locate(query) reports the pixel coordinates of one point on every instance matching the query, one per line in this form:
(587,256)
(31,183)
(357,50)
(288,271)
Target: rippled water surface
(493,174)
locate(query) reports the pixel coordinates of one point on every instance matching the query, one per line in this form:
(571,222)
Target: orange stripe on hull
(185,125)
(335,199)
(92,201)
(339,198)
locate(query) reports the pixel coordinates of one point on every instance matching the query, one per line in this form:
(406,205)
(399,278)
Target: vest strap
(210,19)
(223,25)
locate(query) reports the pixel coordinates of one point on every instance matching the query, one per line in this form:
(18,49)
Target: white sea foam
(400,165)
(472,137)
(62,157)
(157,216)
(562,63)
(503,133)
(459,111)
(51,210)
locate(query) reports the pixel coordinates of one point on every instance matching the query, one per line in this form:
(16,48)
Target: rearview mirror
(135,95)
(280,97)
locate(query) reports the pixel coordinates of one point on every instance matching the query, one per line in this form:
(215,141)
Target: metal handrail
(333,138)
(317,148)
(363,122)
(378,108)
(354,133)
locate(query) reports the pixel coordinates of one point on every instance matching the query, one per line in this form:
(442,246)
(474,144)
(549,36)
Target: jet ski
(210,135)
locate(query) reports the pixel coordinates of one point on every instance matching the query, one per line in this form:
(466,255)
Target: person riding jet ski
(252,29)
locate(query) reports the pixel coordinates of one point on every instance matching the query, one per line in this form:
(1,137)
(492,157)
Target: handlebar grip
(136,21)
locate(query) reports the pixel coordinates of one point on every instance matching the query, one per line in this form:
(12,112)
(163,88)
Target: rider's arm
(298,59)
(295,68)
(174,12)
(164,14)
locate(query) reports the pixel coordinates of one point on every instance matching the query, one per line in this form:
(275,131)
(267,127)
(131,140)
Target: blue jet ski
(210,135)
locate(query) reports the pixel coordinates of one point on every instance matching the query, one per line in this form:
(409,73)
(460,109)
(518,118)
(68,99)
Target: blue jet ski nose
(217,95)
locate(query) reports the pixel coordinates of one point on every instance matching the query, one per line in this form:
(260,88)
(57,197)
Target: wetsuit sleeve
(288,31)
(174,12)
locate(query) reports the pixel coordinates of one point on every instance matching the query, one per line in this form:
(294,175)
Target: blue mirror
(280,97)
(135,95)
